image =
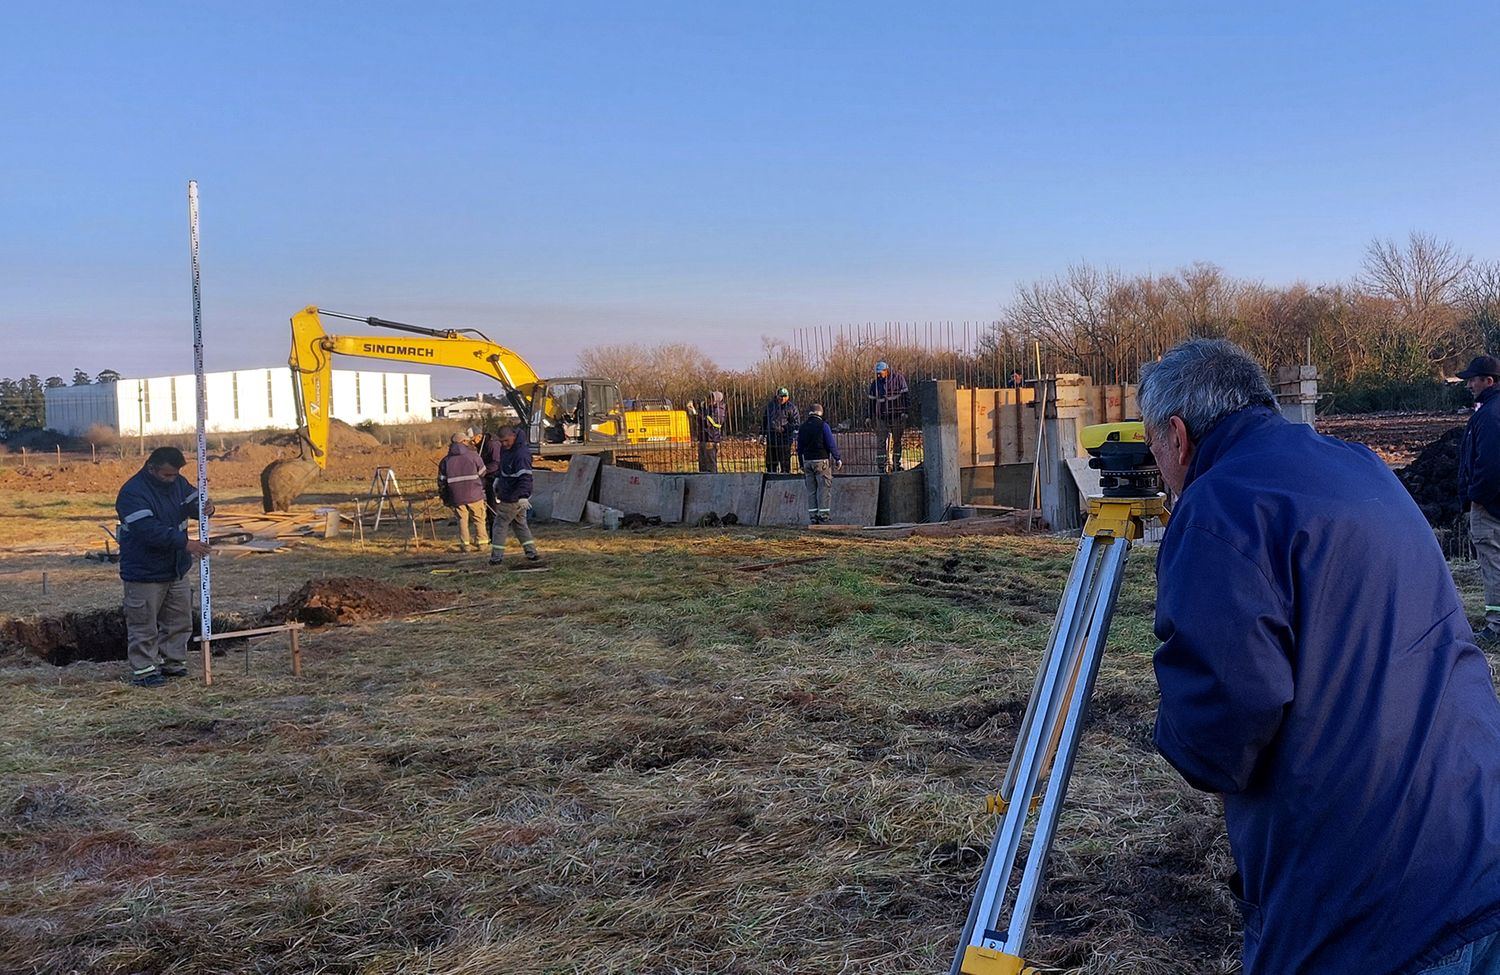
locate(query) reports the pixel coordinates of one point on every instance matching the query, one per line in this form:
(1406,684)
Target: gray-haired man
(1316,670)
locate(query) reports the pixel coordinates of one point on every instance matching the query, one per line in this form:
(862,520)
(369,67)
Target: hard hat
(882,366)
(783,392)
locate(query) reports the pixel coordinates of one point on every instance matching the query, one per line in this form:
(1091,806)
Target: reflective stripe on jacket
(153,527)
(459,475)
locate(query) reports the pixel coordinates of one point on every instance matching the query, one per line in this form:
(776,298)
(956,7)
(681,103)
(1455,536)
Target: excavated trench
(99,634)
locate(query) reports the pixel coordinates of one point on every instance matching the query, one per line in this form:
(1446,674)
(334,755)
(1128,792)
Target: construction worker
(782,421)
(888,408)
(710,432)
(1317,672)
(156,553)
(817,452)
(513,498)
(1479,485)
(461,488)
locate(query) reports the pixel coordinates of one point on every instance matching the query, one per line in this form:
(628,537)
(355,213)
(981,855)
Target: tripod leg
(1053,721)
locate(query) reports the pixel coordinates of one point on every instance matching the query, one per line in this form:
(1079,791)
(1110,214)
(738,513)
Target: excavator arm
(312,366)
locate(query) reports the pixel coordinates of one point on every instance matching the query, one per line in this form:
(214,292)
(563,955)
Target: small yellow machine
(1047,741)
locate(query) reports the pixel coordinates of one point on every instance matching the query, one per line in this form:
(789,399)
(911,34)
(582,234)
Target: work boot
(173,671)
(497,559)
(153,679)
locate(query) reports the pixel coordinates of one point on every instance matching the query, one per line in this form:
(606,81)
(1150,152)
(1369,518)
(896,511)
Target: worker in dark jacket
(710,417)
(817,452)
(513,498)
(1479,485)
(460,485)
(889,404)
(1317,672)
(156,553)
(780,428)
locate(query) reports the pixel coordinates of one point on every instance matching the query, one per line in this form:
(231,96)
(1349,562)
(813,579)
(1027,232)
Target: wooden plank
(258,631)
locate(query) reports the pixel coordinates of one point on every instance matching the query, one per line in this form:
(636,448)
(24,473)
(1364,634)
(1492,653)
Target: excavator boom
(312,366)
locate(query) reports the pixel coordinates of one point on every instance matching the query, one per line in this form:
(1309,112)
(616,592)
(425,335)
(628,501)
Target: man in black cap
(1479,485)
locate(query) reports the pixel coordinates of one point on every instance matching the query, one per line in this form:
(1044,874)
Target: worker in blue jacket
(1479,485)
(156,553)
(817,452)
(1317,671)
(513,498)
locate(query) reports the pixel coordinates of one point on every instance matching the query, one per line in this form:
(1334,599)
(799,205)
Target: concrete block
(856,500)
(783,501)
(722,494)
(576,487)
(903,498)
(544,487)
(595,513)
(642,493)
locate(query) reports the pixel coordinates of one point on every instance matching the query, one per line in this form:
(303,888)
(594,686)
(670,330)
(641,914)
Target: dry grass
(642,761)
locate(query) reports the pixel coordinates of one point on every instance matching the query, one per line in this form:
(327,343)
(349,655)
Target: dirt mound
(349,599)
(342,435)
(251,452)
(1432,479)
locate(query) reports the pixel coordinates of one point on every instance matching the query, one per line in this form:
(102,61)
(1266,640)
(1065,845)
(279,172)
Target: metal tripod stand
(1047,742)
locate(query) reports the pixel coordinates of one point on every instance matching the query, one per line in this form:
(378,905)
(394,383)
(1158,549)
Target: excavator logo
(412,351)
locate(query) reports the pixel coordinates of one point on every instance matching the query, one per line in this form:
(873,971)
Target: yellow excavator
(562,417)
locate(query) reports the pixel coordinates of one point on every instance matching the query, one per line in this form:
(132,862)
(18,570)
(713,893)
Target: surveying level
(1047,741)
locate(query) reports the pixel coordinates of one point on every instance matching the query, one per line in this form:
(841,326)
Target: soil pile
(350,599)
(1432,479)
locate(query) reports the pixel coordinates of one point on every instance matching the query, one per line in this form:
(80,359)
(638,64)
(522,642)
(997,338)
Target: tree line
(23,402)
(1387,339)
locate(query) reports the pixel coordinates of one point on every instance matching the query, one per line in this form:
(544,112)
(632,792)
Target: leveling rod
(1036,781)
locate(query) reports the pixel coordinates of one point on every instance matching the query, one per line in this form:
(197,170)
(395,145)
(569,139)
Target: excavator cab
(585,412)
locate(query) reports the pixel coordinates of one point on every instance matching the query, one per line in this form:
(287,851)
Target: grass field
(645,760)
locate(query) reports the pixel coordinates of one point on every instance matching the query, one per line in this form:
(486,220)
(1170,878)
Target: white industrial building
(246,399)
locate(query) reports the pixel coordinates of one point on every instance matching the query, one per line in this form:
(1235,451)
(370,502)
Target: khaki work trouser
(1484,530)
(158,622)
(819,477)
(510,516)
(473,511)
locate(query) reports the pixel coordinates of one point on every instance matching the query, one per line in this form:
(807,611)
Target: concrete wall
(245,399)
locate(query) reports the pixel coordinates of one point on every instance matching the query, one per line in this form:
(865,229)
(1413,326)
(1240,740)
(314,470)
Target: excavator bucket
(283,480)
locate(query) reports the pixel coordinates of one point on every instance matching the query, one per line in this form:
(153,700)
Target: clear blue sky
(566,174)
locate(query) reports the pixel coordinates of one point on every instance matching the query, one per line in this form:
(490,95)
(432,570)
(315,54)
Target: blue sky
(568,174)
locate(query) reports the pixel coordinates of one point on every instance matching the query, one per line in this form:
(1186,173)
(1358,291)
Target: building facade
(246,399)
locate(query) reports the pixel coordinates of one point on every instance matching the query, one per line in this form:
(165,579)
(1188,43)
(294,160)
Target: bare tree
(1422,282)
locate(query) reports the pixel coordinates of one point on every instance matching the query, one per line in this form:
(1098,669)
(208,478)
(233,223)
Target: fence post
(1067,412)
(1297,393)
(938,401)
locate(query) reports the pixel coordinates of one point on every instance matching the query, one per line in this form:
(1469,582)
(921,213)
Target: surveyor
(156,553)
(1317,671)
(460,487)
(710,432)
(1479,485)
(888,408)
(781,422)
(513,498)
(817,452)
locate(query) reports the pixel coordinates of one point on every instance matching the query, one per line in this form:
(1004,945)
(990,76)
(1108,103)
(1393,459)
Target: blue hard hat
(882,366)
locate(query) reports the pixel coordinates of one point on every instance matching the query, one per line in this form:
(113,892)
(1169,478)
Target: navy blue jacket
(889,397)
(782,419)
(815,441)
(513,470)
(459,476)
(1479,457)
(1316,669)
(153,528)
(711,422)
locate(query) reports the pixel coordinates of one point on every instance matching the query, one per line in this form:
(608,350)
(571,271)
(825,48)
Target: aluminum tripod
(1036,781)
